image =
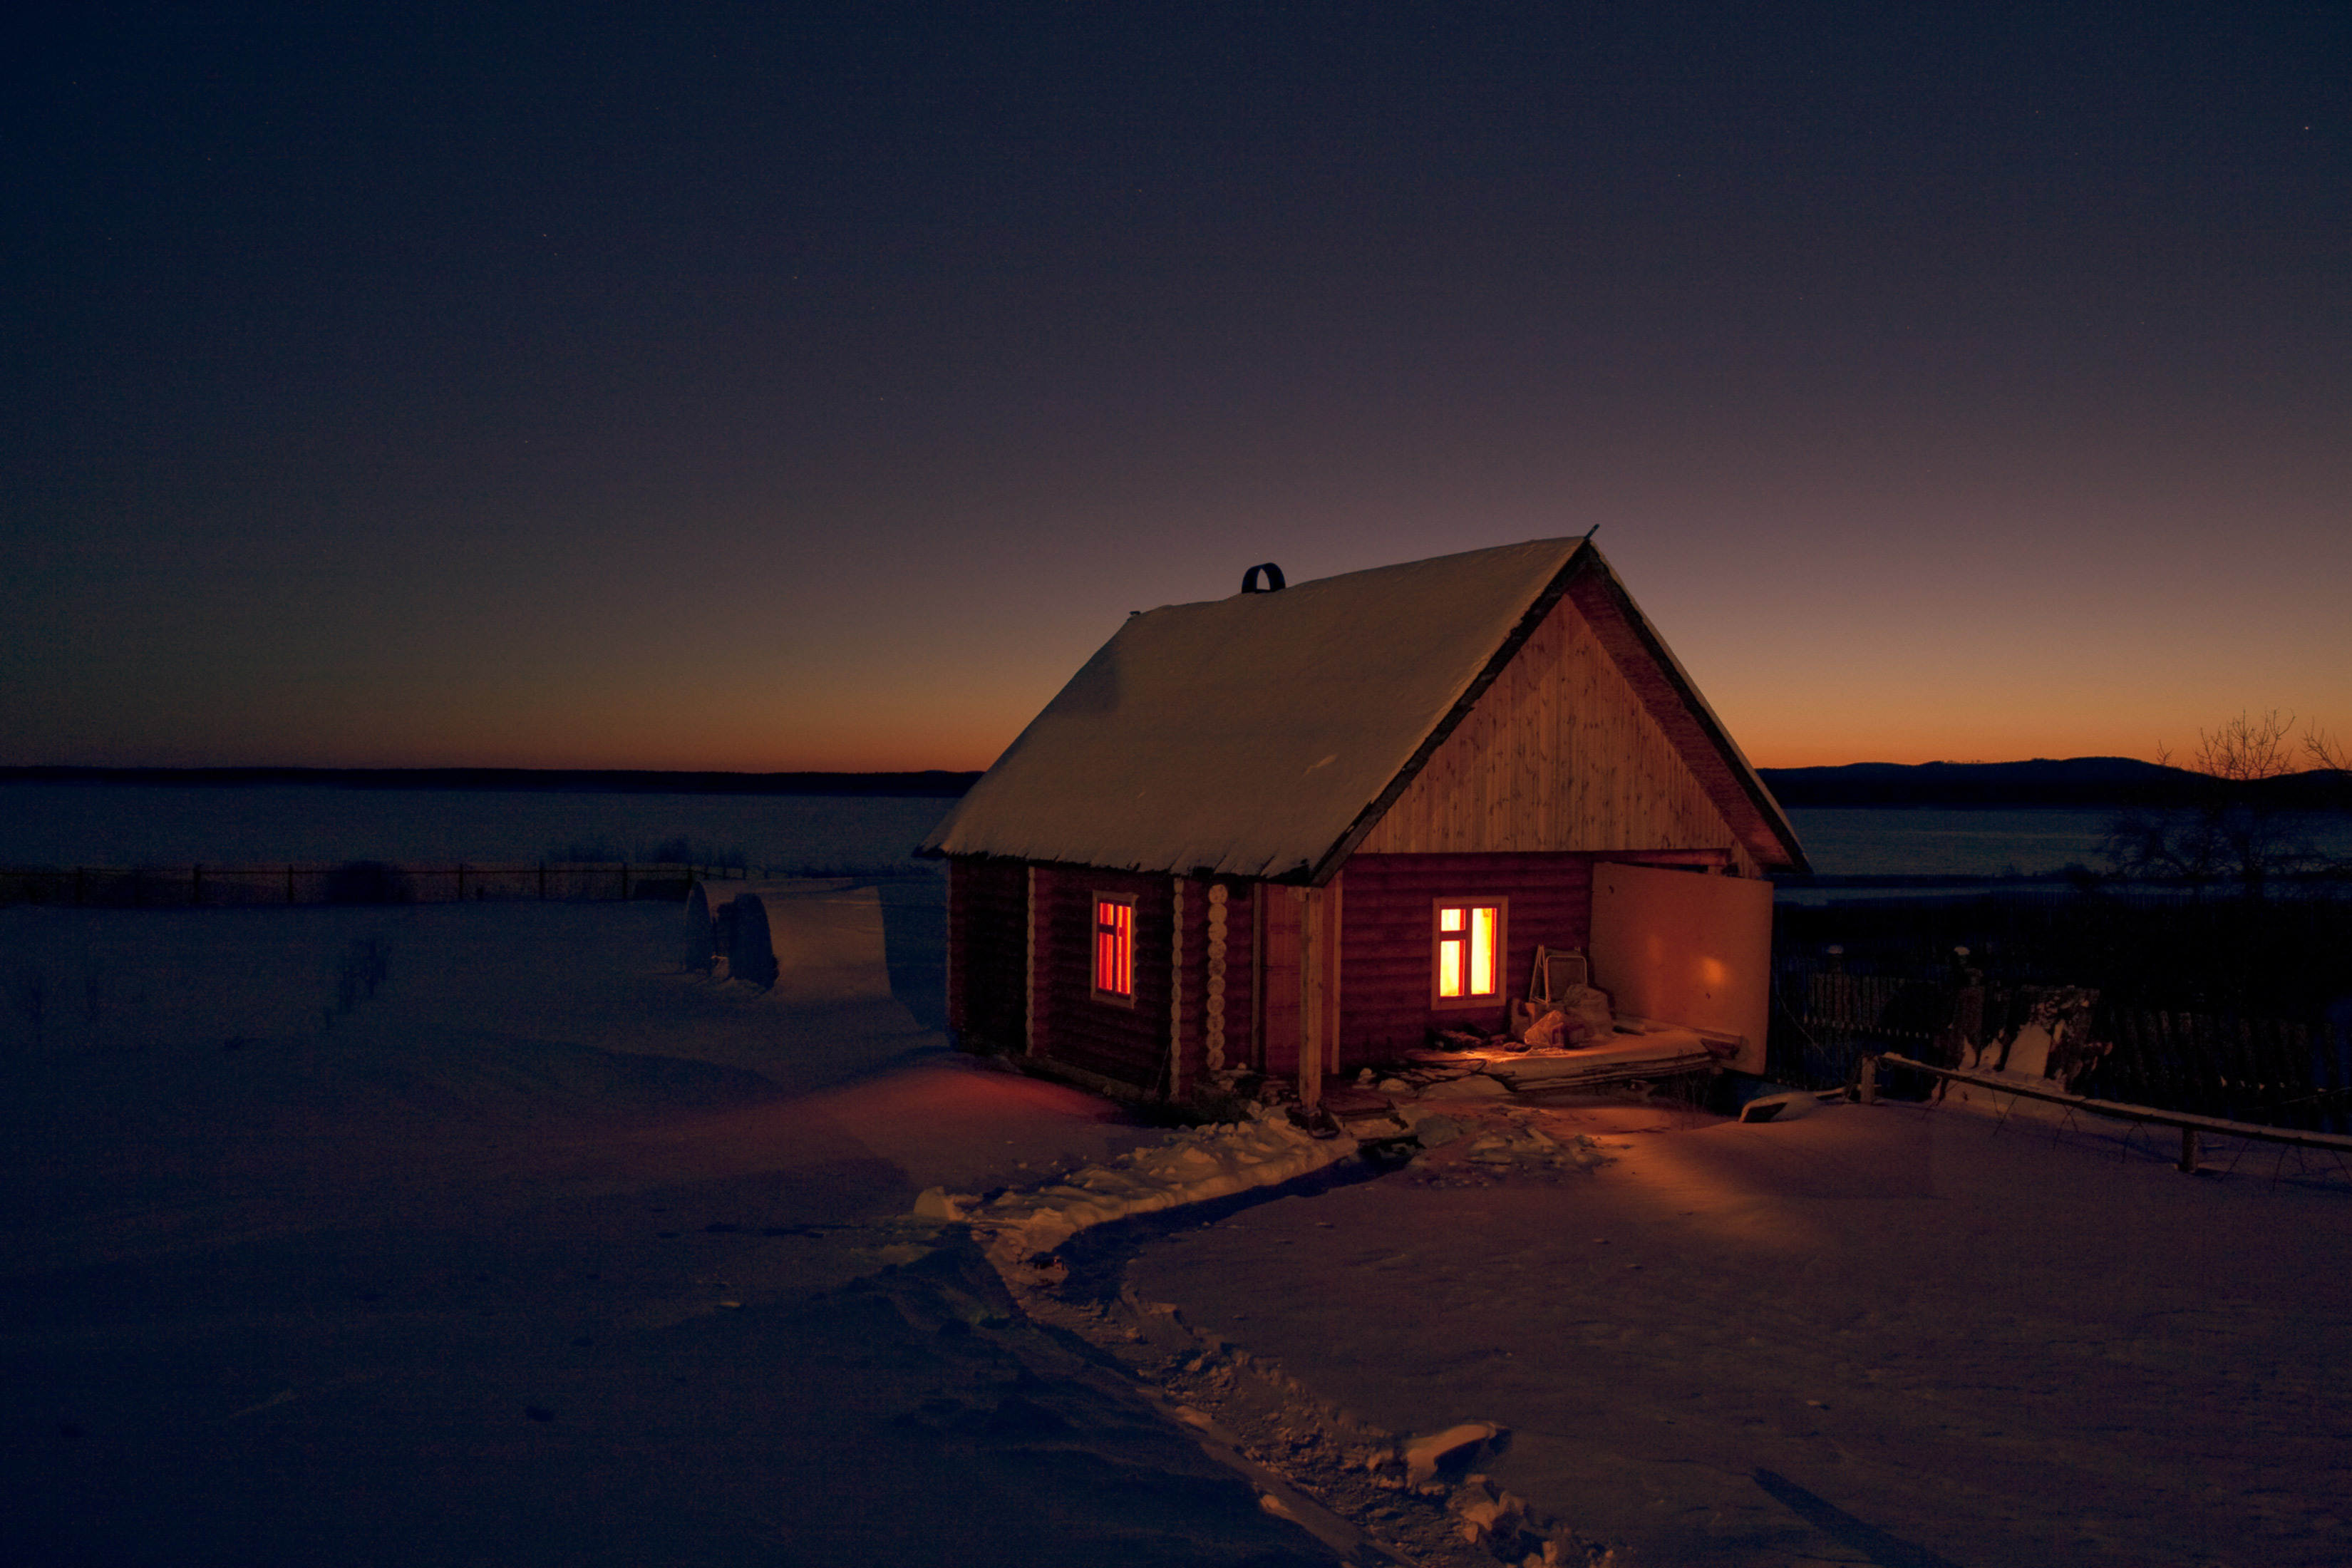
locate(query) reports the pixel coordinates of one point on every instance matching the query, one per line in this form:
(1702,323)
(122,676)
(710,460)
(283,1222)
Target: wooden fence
(353,882)
(2281,1073)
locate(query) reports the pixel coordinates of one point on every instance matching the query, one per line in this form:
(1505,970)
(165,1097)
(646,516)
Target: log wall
(1130,1044)
(1560,753)
(988,912)
(1385,938)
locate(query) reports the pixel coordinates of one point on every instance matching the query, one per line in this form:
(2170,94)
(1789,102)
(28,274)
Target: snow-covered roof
(1249,736)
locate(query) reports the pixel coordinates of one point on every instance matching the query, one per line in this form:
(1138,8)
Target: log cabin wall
(1130,1044)
(1560,754)
(988,949)
(1385,943)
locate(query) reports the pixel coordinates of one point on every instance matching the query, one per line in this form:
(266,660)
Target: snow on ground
(459,1233)
(1877,1334)
(478,1233)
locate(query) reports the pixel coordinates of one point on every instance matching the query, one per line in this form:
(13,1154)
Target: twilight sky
(773,387)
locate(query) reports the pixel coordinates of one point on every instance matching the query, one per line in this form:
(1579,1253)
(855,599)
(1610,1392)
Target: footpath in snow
(1370,1493)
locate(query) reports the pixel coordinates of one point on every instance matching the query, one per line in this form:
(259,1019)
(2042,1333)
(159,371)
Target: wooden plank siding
(988,912)
(1560,753)
(1074,1026)
(1385,940)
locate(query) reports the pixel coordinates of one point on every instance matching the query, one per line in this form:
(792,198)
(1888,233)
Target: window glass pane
(1449,967)
(1482,953)
(1449,920)
(1114,947)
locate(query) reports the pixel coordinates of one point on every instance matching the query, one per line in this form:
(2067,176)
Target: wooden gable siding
(1560,753)
(988,952)
(1385,941)
(1129,1044)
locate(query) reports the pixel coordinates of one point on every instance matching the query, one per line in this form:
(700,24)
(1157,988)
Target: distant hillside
(2072,781)
(600,781)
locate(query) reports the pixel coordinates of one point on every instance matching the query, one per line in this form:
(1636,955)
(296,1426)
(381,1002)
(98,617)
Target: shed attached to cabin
(1294,830)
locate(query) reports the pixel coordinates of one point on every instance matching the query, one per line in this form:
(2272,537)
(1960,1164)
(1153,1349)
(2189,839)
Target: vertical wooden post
(2188,1149)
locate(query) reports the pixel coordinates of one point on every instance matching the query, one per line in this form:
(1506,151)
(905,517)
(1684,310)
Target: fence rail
(2190,1125)
(2195,1006)
(354,882)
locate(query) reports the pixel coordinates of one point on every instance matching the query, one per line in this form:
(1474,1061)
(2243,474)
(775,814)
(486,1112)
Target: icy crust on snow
(1245,735)
(1190,1165)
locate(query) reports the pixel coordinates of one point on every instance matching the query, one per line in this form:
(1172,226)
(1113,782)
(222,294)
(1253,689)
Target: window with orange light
(1467,955)
(1115,947)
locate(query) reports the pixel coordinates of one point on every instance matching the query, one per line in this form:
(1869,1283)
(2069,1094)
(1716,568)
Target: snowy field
(483,1233)
(1879,1334)
(170,824)
(478,1234)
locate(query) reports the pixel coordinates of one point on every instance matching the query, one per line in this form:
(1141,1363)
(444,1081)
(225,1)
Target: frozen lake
(170,825)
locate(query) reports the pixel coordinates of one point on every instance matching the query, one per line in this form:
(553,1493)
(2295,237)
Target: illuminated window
(1115,947)
(1468,953)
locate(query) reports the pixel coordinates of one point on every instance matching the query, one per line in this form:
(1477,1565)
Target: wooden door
(1278,975)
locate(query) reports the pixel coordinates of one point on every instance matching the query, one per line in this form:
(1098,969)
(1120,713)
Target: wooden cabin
(1296,829)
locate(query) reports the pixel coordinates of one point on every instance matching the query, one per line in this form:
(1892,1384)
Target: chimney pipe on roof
(1274,584)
